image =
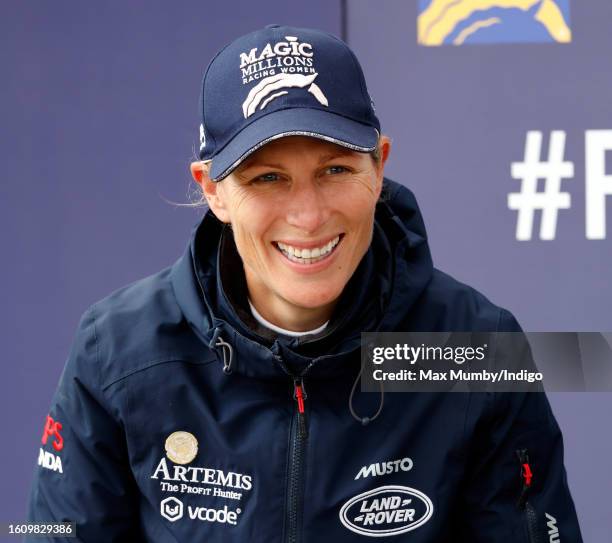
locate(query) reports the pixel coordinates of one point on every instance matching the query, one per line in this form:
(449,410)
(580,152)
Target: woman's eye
(266,178)
(337,169)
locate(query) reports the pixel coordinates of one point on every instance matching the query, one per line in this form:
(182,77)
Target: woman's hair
(376,153)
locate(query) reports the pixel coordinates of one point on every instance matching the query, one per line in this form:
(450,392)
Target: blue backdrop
(99,110)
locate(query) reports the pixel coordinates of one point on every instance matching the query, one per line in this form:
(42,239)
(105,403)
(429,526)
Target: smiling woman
(301,212)
(217,400)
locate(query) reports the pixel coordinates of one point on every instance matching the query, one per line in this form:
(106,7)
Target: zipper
(297,450)
(526,477)
(532,530)
(526,481)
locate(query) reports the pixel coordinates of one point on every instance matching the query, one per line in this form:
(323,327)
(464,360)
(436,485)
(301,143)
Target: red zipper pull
(527,475)
(299,393)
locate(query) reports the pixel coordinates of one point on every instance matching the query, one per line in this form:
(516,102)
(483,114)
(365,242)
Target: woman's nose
(307,208)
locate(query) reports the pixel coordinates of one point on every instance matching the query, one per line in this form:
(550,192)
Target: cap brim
(310,122)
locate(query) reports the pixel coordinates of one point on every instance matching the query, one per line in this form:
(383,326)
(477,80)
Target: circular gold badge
(181,447)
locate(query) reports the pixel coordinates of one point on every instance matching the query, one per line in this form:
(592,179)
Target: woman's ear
(210,190)
(384,145)
(385,148)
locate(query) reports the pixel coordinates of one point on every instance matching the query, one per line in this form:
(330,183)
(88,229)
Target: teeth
(307,256)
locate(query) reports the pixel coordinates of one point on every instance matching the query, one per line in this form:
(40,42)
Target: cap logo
(202,137)
(286,64)
(261,93)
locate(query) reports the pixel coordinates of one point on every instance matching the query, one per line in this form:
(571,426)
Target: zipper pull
(299,393)
(526,476)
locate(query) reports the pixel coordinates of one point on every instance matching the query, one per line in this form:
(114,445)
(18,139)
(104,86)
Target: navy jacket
(179,418)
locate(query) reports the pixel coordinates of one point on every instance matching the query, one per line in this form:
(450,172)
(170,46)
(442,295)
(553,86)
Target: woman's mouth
(311,255)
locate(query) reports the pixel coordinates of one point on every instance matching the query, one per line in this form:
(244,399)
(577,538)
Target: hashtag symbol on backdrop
(550,200)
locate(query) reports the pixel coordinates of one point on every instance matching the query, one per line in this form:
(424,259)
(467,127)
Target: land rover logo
(386,511)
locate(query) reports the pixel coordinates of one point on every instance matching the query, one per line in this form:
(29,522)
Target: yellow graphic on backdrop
(474,27)
(455,21)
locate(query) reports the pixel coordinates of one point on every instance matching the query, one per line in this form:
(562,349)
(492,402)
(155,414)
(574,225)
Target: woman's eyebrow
(251,162)
(336,154)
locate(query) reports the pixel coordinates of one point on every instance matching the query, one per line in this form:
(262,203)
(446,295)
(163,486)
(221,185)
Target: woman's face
(302,213)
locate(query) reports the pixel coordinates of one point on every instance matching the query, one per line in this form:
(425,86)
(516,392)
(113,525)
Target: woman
(217,399)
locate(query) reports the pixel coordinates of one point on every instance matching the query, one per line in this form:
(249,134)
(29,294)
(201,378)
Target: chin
(312,298)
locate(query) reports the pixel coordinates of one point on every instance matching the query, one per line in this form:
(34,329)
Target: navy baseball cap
(283,81)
